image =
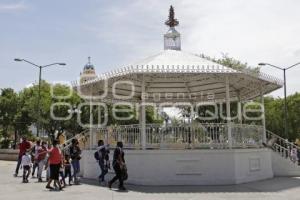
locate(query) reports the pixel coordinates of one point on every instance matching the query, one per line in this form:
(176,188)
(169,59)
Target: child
(62,175)
(62,172)
(27,164)
(294,154)
(67,165)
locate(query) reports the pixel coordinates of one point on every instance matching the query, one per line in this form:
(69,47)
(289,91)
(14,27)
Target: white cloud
(13,7)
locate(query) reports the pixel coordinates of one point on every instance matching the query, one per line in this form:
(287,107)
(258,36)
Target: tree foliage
(20,110)
(275,115)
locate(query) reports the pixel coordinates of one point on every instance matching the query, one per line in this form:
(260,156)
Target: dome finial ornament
(172,37)
(172,22)
(89,60)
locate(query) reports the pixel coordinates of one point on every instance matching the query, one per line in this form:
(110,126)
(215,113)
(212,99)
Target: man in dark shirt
(119,166)
(23,147)
(103,153)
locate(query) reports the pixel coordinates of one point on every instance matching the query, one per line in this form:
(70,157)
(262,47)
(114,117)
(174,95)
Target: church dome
(89,65)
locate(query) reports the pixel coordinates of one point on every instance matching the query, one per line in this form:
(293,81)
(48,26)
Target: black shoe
(15,175)
(49,187)
(40,180)
(122,188)
(109,185)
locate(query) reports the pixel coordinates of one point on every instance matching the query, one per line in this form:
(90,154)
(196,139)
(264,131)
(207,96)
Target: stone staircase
(282,161)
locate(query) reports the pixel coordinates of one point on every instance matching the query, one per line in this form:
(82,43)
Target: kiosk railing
(207,135)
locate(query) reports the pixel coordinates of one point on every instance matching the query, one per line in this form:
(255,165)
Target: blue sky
(122,31)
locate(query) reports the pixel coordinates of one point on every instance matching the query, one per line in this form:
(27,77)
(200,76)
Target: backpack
(96,155)
(103,153)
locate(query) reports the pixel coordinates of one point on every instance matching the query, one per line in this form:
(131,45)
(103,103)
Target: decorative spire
(172,37)
(89,60)
(171,22)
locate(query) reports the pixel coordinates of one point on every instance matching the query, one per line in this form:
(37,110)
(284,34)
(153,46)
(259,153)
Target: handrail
(68,142)
(281,145)
(282,139)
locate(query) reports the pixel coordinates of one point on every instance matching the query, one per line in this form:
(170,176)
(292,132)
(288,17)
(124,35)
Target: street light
(40,79)
(284,87)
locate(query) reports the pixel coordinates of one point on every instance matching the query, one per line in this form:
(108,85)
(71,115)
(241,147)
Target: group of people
(119,166)
(58,161)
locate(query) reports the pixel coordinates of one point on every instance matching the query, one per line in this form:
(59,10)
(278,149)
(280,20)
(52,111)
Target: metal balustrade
(280,145)
(184,136)
(247,135)
(79,137)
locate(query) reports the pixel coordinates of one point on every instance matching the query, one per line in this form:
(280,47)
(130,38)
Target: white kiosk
(196,153)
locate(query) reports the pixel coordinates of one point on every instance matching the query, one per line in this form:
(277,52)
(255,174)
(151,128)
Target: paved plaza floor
(11,188)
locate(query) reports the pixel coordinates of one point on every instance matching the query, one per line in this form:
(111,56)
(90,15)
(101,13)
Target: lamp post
(284,87)
(39,91)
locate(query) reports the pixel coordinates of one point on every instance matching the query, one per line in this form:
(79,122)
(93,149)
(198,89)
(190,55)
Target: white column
(263,120)
(228,112)
(142,117)
(240,109)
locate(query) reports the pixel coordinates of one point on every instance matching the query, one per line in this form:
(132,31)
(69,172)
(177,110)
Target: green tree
(30,98)
(8,109)
(275,115)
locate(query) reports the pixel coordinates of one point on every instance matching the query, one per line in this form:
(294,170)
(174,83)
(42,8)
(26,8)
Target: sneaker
(15,175)
(40,180)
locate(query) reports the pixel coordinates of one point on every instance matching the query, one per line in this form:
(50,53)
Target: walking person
(41,160)
(119,167)
(103,159)
(26,164)
(55,158)
(75,153)
(68,168)
(34,154)
(23,147)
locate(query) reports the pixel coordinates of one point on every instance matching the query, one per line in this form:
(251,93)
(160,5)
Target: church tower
(88,73)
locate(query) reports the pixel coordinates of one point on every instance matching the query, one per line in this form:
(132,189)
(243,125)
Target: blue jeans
(76,168)
(104,170)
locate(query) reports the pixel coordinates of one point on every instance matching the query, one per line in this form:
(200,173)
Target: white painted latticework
(173,72)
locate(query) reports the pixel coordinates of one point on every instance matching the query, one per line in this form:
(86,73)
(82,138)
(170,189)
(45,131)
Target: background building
(88,72)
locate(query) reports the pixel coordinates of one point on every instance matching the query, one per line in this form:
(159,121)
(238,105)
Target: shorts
(54,171)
